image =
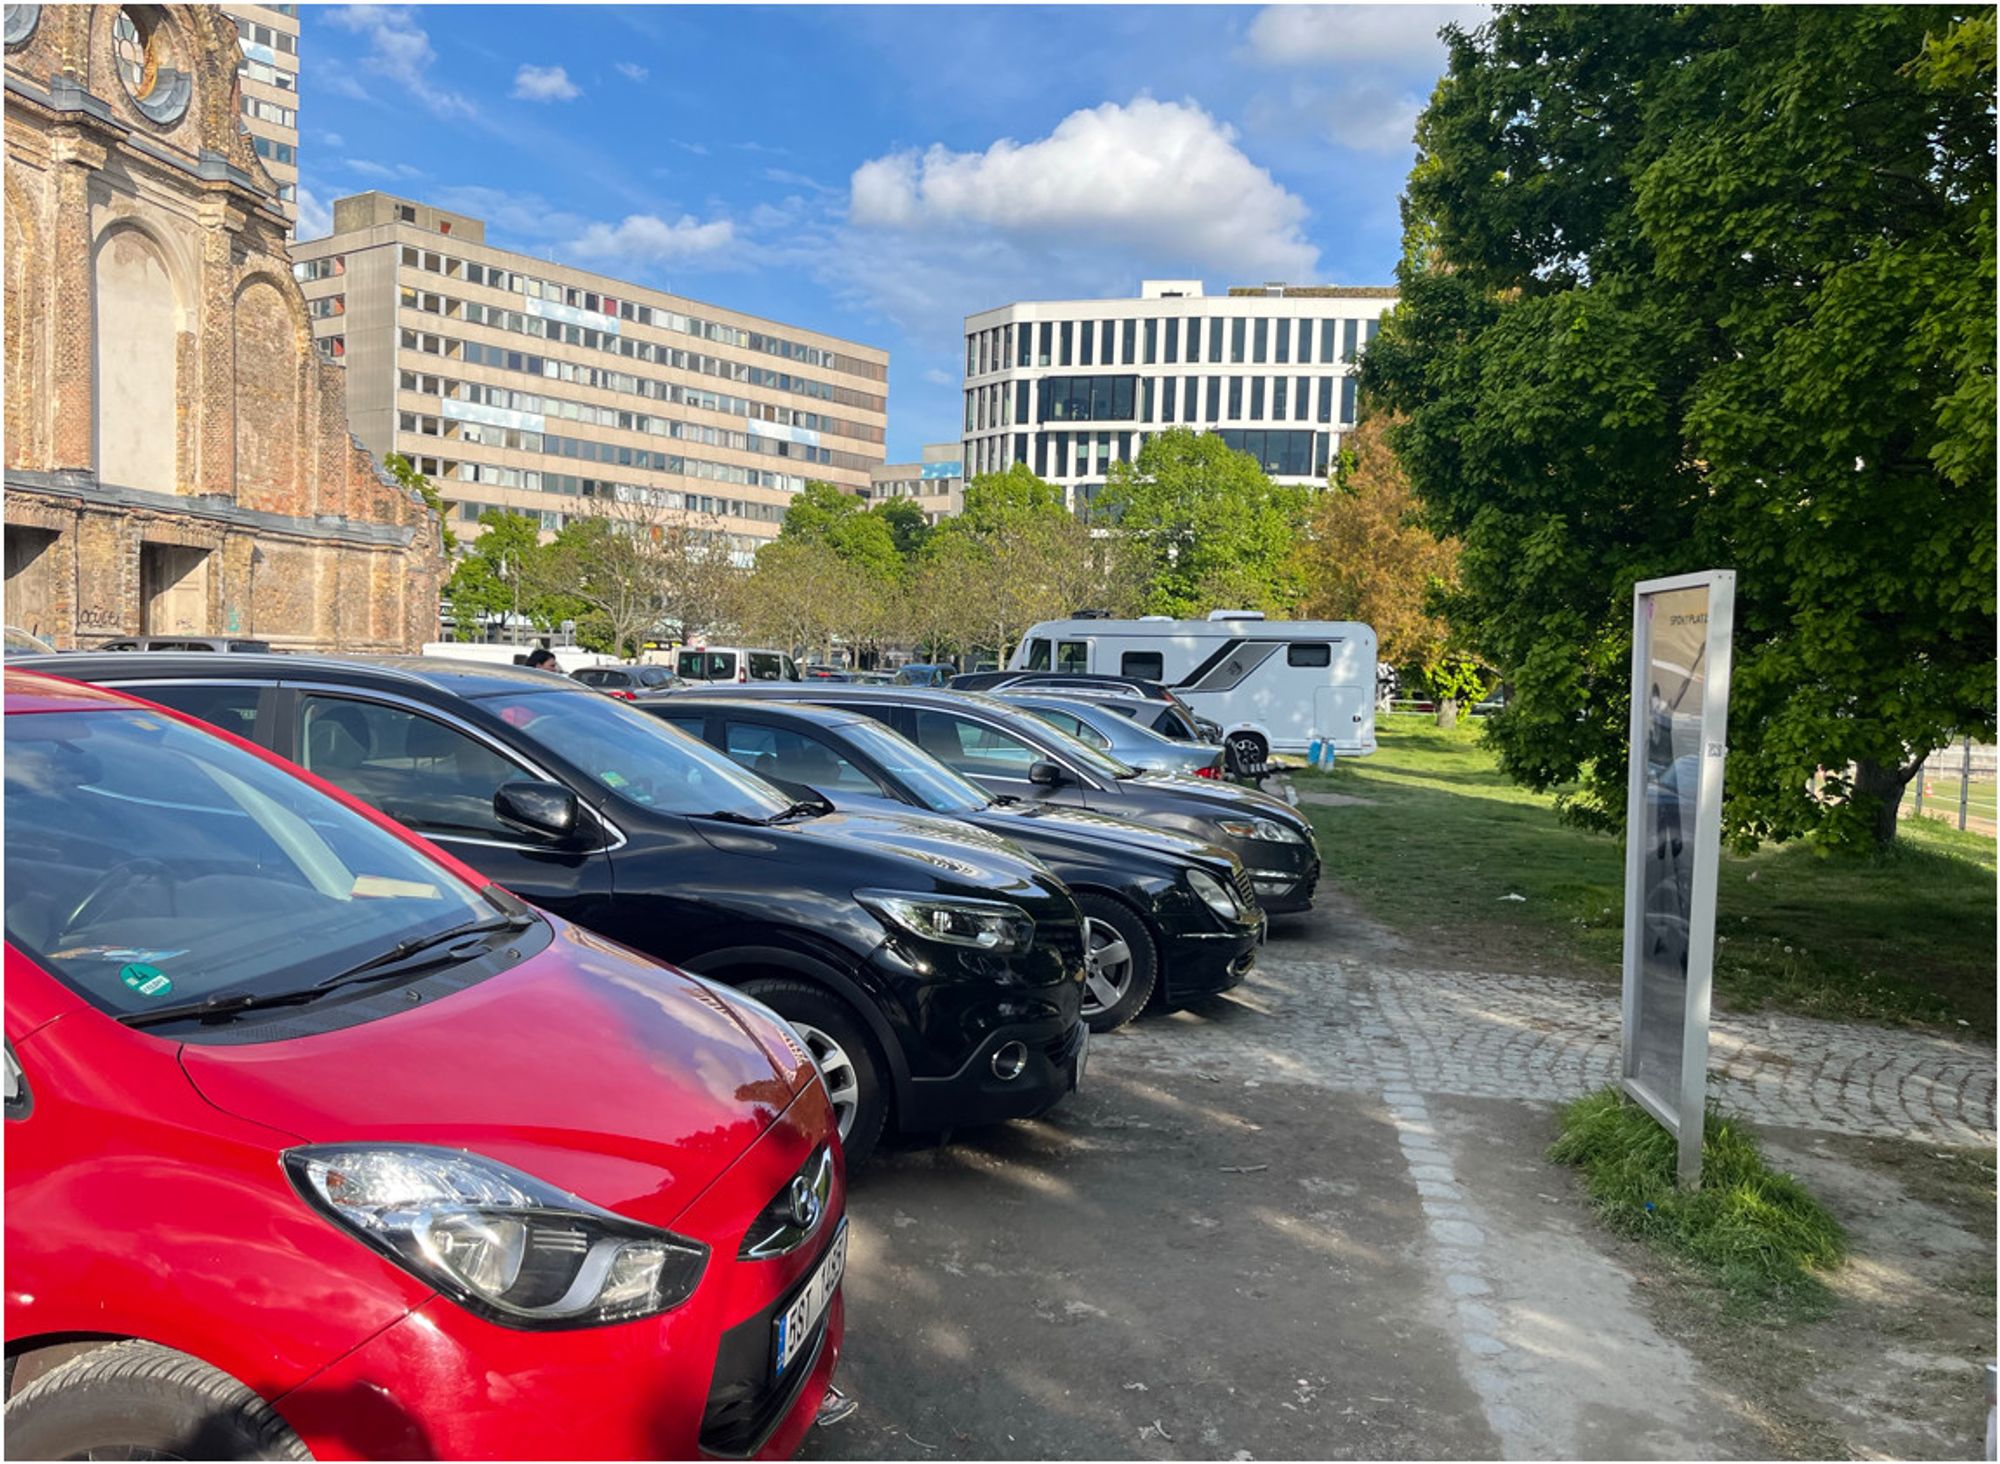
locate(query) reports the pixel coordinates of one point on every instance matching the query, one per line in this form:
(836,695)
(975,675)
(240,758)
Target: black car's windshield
(149,863)
(639,758)
(936,786)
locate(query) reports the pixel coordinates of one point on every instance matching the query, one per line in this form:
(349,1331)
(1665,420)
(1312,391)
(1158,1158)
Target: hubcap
(836,1070)
(1107,968)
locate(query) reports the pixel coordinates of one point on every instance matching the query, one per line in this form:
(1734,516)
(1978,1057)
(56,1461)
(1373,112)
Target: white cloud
(631,70)
(544,84)
(1148,178)
(1366,116)
(648,239)
(368,169)
(1300,35)
(315,218)
(797,180)
(333,139)
(699,149)
(399,49)
(938,376)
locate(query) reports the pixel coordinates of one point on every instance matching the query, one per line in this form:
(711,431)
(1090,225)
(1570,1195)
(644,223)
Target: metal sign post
(1680,713)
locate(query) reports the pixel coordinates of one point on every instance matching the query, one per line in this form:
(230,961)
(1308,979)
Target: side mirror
(1046,774)
(545,809)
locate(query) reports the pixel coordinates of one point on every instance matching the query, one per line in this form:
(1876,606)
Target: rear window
(1308,653)
(150,863)
(707,665)
(1147,665)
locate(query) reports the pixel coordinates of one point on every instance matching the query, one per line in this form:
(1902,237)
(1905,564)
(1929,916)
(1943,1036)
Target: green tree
(820,513)
(1713,286)
(405,472)
(502,570)
(908,528)
(1215,531)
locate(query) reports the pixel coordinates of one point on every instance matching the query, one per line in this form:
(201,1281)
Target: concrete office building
(548,390)
(936,485)
(1071,386)
(268,97)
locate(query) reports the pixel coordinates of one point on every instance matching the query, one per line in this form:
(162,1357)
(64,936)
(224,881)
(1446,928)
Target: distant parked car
(872,678)
(919,673)
(1066,683)
(734,663)
(826,673)
(186,643)
(23,643)
(629,683)
(1101,727)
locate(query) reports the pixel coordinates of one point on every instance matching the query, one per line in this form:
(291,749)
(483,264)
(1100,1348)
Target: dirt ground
(1183,1261)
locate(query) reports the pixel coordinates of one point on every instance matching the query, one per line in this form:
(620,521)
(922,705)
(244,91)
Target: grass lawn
(1443,838)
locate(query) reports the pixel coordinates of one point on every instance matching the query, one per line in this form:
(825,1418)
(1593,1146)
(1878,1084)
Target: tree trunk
(1447,711)
(1885,785)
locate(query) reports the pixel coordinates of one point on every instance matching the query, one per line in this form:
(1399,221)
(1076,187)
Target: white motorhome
(1273,685)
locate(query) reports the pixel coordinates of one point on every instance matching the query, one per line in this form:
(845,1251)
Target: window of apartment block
(1350,340)
(1235,398)
(1063,342)
(1026,340)
(1278,385)
(1152,342)
(1214,400)
(1282,351)
(1261,342)
(1329,331)
(1347,384)
(1173,347)
(1085,355)
(1238,328)
(407,214)
(1256,398)
(1326,399)
(1302,399)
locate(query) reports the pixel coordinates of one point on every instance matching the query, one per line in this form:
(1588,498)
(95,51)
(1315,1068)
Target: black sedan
(1161,911)
(937,980)
(1011,752)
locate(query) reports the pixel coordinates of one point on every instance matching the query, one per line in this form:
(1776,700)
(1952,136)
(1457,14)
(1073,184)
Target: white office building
(1071,386)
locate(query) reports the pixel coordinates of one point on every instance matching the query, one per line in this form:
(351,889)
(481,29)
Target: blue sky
(881,172)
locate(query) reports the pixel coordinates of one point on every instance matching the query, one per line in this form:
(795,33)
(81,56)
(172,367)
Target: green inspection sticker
(146,980)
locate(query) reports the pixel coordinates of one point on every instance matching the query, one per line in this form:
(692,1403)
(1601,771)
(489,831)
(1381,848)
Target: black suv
(1010,751)
(1161,911)
(937,979)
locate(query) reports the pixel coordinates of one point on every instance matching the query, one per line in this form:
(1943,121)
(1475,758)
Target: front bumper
(975,1094)
(1198,963)
(1284,876)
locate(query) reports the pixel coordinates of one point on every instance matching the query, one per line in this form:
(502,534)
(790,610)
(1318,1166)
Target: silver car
(1104,728)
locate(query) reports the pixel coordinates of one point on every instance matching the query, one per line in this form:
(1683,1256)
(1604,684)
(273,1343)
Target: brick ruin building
(177,452)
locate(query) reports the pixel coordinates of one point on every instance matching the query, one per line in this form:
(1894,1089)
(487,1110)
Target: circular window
(149,63)
(21,21)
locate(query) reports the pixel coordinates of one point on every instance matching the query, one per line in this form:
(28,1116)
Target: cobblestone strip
(1500,1035)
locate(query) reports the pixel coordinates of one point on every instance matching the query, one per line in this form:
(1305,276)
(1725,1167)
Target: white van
(568,658)
(1272,685)
(733,663)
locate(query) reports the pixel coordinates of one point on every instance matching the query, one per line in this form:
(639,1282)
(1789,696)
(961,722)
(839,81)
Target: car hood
(586,1066)
(1083,827)
(1221,800)
(951,857)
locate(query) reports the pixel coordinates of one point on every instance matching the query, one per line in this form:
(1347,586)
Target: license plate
(794,1326)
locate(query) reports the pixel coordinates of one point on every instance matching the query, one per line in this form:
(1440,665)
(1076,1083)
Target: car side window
(1038,655)
(766,666)
(1146,665)
(780,752)
(1072,656)
(1063,720)
(414,768)
(974,748)
(233,708)
(1308,653)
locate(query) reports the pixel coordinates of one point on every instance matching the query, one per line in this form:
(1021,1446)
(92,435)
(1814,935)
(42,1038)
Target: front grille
(745,1403)
(1246,888)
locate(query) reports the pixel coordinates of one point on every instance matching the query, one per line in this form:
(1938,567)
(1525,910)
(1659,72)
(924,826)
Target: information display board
(1680,709)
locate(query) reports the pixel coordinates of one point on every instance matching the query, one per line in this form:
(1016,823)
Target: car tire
(856,1077)
(139,1400)
(1246,751)
(1113,925)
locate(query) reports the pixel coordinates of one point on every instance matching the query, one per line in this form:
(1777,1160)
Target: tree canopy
(1713,287)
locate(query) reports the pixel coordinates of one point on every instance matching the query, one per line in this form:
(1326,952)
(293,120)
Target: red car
(316,1140)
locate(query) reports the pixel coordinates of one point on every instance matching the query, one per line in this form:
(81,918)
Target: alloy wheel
(1107,967)
(836,1070)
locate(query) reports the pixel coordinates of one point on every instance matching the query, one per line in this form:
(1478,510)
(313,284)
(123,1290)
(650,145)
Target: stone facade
(177,451)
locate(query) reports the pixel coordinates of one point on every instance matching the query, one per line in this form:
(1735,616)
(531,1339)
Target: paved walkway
(1363,1024)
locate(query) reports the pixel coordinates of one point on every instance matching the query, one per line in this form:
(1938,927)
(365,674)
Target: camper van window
(1145,664)
(1072,655)
(1309,653)
(1038,655)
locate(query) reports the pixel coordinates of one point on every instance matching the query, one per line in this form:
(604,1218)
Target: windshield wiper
(805,808)
(730,815)
(399,960)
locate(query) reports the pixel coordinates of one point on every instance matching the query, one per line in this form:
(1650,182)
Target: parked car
(1123,737)
(1009,751)
(1077,683)
(629,683)
(872,678)
(919,673)
(185,643)
(25,643)
(937,982)
(321,1144)
(1165,915)
(827,673)
(734,663)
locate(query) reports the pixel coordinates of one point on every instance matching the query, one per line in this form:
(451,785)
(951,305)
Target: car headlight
(498,1242)
(983,925)
(1214,894)
(1268,829)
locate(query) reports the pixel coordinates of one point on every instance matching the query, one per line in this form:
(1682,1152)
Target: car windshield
(150,863)
(936,786)
(639,758)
